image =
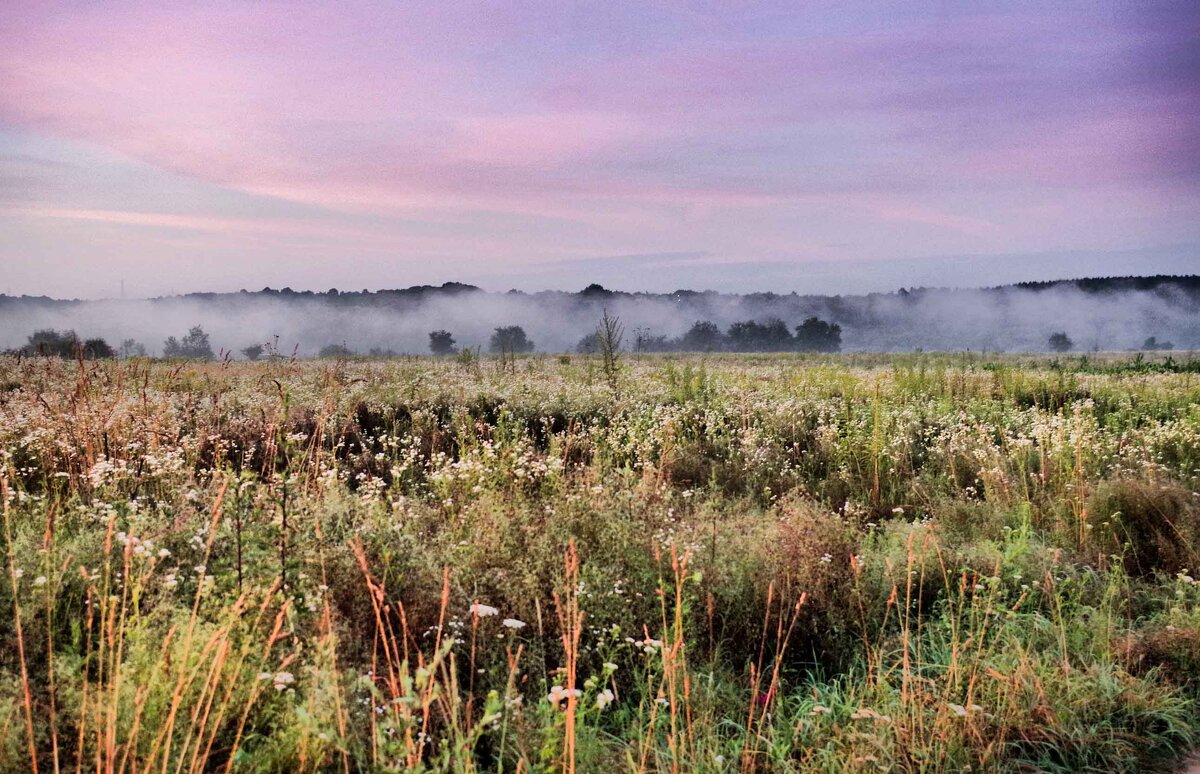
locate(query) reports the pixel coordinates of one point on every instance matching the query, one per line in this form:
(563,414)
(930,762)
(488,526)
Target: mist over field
(1106,314)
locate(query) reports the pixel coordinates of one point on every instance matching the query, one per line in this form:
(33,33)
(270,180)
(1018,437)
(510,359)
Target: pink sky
(213,146)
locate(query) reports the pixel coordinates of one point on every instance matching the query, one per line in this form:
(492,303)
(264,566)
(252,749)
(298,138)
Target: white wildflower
(558,694)
(283,680)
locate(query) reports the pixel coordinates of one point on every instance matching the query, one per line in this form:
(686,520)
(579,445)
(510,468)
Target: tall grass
(729,564)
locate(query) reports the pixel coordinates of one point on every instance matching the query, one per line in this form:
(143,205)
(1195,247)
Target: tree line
(68,344)
(770,335)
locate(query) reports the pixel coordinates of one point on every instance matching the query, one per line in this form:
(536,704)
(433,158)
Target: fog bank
(1108,314)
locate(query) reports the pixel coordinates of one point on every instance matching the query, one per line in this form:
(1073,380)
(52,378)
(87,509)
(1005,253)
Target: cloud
(479,134)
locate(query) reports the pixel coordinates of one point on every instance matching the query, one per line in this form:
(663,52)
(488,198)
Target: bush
(1153,343)
(1060,342)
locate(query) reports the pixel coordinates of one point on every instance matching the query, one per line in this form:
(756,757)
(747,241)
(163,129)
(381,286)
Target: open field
(676,563)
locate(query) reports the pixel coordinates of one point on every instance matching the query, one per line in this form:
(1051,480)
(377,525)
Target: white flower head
(558,693)
(283,680)
(483,611)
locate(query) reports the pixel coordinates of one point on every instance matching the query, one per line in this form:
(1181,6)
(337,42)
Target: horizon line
(463,287)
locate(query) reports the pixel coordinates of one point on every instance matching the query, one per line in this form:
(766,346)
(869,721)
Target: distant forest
(1112,313)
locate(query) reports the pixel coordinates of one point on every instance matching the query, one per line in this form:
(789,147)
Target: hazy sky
(811,146)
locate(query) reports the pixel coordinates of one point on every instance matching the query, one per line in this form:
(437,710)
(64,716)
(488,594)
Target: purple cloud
(507,134)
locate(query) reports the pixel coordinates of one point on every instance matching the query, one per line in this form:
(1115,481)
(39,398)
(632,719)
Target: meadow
(909,563)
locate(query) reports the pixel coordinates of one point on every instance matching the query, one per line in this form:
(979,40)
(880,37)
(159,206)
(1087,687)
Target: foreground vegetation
(778,563)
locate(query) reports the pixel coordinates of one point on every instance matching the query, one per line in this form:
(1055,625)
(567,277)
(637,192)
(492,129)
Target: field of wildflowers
(731,563)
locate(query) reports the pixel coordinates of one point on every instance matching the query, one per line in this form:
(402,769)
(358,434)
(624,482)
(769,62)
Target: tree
(253,352)
(1060,342)
(131,348)
(65,344)
(589,344)
(335,351)
(51,343)
(441,342)
(816,335)
(97,348)
(751,336)
(608,337)
(703,336)
(193,346)
(510,339)
(648,342)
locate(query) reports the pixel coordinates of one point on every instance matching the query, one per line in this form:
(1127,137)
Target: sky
(149,148)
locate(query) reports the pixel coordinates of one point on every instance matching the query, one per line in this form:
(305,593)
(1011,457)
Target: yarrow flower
(962,711)
(604,698)
(558,693)
(483,611)
(283,680)
(512,623)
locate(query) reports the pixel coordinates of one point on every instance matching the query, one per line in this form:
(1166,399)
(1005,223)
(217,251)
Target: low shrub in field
(1153,525)
(1169,652)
